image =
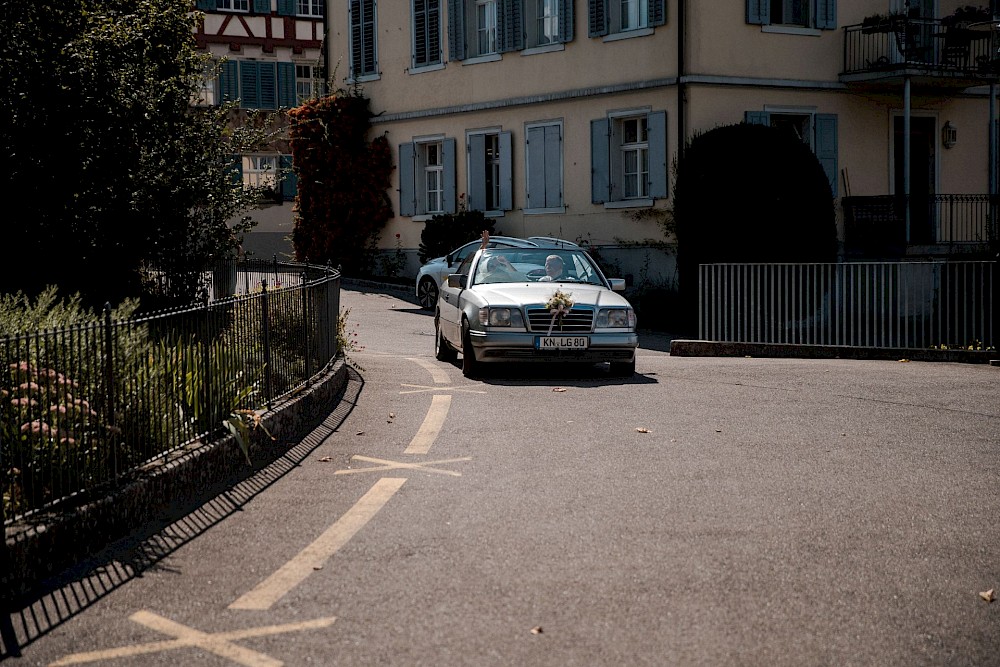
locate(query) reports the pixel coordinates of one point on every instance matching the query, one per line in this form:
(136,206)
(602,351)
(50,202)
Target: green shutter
(599,161)
(456,29)
(236,170)
(756,118)
(511,26)
(205,5)
(261,6)
(597,18)
(290,181)
(249,85)
(657,12)
(229,81)
(287,8)
(566,20)
(287,97)
(758,12)
(450,195)
(407,186)
(267,77)
(826,14)
(826,146)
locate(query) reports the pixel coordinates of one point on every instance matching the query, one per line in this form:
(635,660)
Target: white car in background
(435,271)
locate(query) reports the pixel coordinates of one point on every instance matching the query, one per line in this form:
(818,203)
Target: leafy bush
(445,232)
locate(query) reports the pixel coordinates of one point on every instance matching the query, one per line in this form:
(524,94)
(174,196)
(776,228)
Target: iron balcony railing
(926,45)
(858,304)
(85,406)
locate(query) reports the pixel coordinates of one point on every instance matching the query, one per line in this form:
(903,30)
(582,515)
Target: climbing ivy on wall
(342,203)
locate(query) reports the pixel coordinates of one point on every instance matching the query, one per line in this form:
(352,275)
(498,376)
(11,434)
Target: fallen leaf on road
(317,567)
(903,361)
(558,389)
(642,429)
(987,595)
(537,630)
(326,459)
(360,433)
(718,430)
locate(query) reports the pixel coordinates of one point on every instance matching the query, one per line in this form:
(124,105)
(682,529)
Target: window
(489,156)
(484,28)
(259,84)
(427,177)
(208,93)
(260,171)
(548,22)
(817,130)
(426,33)
(543,168)
(629,158)
(614,17)
(310,7)
(820,14)
(307,83)
(233,5)
(364,60)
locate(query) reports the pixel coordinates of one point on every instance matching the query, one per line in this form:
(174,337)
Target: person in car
(553,268)
(500,270)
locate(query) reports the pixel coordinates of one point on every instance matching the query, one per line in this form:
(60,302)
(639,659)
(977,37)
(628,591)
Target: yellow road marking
(419,388)
(219,643)
(431,427)
(295,571)
(395,465)
(439,375)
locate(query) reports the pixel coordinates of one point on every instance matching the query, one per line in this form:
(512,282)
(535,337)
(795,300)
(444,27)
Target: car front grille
(577,320)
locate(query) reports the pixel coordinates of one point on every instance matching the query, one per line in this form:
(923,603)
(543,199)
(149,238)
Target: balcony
(939,225)
(930,52)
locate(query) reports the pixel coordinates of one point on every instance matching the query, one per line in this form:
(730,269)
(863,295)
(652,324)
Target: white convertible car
(504,304)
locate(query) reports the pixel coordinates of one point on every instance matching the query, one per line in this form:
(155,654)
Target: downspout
(906,153)
(681,90)
(325,50)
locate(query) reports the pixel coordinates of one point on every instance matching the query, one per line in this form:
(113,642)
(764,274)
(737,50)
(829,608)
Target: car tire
(623,369)
(442,350)
(470,367)
(427,293)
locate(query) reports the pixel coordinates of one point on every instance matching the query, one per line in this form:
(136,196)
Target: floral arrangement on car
(558,305)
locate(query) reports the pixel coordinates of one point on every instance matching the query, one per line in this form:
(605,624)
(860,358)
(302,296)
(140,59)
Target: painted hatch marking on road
(439,375)
(421,388)
(219,643)
(426,466)
(314,556)
(431,426)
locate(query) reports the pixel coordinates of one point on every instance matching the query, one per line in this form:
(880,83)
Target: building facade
(563,117)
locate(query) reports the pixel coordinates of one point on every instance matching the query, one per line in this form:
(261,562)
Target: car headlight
(615,318)
(500,317)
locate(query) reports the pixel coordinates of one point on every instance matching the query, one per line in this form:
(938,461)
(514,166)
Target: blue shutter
(826,146)
(456,29)
(534,148)
(657,12)
(205,5)
(287,97)
(544,177)
(826,14)
(426,32)
(759,12)
(511,25)
(506,184)
(229,81)
(566,20)
(261,6)
(407,185)
(249,85)
(656,127)
(236,170)
(289,182)
(597,18)
(267,75)
(756,118)
(450,203)
(287,8)
(477,172)
(599,161)
(553,166)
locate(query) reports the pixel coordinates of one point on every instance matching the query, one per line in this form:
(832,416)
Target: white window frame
(260,170)
(546,22)
(782,9)
(233,5)
(354,76)
(619,29)
(633,15)
(430,178)
(486,13)
(435,62)
(639,151)
(305,82)
(495,175)
(310,8)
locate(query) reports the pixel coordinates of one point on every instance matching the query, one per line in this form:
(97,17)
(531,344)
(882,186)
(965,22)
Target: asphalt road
(707,511)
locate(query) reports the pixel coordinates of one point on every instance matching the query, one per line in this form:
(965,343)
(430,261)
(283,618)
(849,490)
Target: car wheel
(427,293)
(470,367)
(442,350)
(624,369)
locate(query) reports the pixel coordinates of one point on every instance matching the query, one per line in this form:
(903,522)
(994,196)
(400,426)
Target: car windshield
(521,265)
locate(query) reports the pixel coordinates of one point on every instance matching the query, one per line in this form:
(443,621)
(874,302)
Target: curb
(705,348)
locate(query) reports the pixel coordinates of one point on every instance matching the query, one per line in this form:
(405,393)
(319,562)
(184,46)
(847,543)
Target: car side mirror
(456,280)
(617,284)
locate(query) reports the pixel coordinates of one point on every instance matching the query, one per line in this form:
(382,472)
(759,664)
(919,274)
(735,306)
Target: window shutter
(249,85)
(450,203)
(261,6)
(229,81)
(657,12)
(597,18)
(826,146)
(534,148)
(268,77)
(758,12)
(287,8)
(421,33)
(456,29)
(205,5)
(477,172)
(370,57)
(236,170)
(826,14)
(362,19)
(599,161)
(656,126)
(511,26)
(287,97)
(553,166)
(289,182)
(506,184)
(756,118)
(566,20)
(407,186)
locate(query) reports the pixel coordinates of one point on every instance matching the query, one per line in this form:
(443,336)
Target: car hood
(536,294)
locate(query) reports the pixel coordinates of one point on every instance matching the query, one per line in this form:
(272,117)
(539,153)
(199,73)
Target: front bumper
(495,345)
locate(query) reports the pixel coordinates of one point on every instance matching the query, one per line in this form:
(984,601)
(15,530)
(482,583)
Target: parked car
(432,274)
(522,314)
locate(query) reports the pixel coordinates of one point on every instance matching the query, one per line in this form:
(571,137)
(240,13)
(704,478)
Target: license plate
(562,342)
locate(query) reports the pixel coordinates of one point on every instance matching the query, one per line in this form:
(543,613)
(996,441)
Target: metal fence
(85,406)
(863,304)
